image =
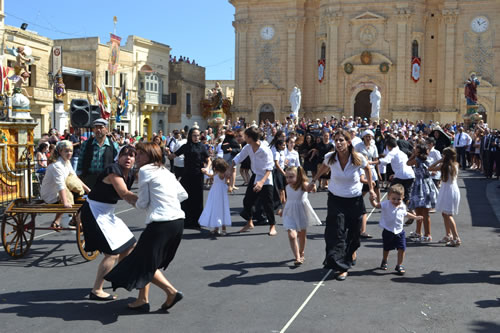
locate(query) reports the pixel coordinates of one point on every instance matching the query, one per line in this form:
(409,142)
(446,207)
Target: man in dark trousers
(96,153)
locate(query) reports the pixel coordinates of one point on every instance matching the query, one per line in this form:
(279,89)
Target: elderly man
(96,153)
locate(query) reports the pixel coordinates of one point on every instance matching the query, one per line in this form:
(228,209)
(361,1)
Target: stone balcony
(40,95)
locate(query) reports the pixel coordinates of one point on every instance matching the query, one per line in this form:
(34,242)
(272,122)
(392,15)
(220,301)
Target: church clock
(480,24)
(267,33)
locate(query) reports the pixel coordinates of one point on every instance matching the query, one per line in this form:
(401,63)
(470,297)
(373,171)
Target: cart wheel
(17,233)
(80,241)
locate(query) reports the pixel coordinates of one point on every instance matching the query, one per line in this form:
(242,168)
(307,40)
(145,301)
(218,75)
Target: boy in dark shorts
(392,221)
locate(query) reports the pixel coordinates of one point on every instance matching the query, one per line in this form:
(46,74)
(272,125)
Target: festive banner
(114,54)
(415,69)
(57,60)
(321,70)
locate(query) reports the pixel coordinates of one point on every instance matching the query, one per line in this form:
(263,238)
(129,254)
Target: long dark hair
(276,137)
(448,168)
(355,157)
(422,152)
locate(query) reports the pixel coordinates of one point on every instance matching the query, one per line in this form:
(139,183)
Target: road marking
(52,232)
(40,236)
(283,330)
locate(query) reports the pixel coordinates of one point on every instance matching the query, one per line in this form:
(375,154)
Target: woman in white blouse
(160,194)
(345,203)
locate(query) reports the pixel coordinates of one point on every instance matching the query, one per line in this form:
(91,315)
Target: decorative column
(333,20)
(450,19)
(403,57)
(291,53)
(241,77)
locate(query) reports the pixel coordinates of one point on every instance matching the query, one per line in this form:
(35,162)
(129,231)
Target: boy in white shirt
(392,221)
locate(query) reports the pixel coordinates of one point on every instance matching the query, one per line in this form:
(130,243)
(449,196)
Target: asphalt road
(247,282)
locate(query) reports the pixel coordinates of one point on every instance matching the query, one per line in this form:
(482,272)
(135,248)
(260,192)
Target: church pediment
(376,59)
(367,17)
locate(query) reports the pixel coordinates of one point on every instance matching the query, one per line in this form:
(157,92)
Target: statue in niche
(375,98)
(471,89)
(295,99)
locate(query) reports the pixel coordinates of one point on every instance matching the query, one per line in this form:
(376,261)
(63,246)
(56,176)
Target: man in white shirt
(355,139)
(179,160)
(261,183)
(434,156)
(461,142)
(403,173)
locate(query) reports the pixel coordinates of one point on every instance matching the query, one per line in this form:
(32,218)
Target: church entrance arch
(362,105)
(266,112)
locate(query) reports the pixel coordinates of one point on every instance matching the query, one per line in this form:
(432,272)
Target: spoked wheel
(80,240)
(18,230)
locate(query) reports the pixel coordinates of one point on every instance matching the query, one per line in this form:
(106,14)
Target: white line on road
(52,232)
(283,330)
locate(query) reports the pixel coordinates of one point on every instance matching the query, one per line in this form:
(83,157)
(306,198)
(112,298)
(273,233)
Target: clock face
(267,32)
(479,24)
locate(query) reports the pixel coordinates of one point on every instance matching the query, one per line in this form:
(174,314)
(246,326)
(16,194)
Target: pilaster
(403,58)
(449,18)
(241,75)
(333,21)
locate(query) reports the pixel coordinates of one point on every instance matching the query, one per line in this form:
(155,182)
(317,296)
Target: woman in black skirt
(345,203)
(196,162)
(103,230)
(161,195)
(308,152)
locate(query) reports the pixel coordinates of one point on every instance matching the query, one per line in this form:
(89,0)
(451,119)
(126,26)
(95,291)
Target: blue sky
(197,29)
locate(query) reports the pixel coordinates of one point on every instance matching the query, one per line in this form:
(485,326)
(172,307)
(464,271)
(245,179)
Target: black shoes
(177,298)
(94,297)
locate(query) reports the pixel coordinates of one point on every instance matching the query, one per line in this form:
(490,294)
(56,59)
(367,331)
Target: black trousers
(193,205)
(488,160)
(462,160)
(265,196)
(342,231)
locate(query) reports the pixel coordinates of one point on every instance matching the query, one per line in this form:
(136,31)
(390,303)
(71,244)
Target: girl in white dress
(298,212)
(449,195)
(216,213)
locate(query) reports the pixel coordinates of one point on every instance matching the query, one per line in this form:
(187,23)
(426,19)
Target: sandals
(454,243)
(446,239)
(298,262)
(56,226)
(400,269)
(383,265)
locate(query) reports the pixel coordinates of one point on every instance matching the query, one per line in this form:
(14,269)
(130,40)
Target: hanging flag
(106,101)
(100,102)
(4,82)
(114,54)
(321,70)
(125,105)
(415,69)
(120,103)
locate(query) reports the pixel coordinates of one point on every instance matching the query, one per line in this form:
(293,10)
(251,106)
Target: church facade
(418,53)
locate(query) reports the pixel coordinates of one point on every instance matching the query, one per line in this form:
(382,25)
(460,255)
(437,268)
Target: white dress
(216,212)
(298,213)
(449,197)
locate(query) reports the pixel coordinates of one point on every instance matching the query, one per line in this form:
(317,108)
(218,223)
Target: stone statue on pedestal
(295,99)
(375,98)
(471,89)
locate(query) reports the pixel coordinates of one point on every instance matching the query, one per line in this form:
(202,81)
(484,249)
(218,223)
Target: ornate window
(323,51)
(414,49)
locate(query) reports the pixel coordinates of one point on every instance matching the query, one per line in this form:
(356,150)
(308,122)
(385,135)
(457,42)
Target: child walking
(216,213)
(392,221)
(449,195)
(298,212)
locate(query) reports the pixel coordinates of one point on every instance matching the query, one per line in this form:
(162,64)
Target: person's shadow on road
(438,278)
(65,304)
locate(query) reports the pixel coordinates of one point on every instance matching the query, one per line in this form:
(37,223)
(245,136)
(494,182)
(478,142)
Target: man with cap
(96,153)
(354,135)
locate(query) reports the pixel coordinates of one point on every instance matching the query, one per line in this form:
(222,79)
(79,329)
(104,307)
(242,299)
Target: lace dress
(423,192)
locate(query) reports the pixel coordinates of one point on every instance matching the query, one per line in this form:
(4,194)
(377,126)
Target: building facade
(336,51)
(186,89)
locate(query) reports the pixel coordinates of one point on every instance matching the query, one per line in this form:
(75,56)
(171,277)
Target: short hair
(431,140)
(153,151)
(252,133)
(391,142)
(397,189)
(220,165)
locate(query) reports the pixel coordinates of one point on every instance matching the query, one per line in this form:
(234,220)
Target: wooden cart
(18,226)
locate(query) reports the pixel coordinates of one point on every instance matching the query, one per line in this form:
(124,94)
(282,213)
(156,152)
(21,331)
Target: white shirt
(462,139)
(261,161)
(179,160)
(392,218)
(160,194)
(355,141)
(280,157)
(434,155)
(345,183)
(55,180)
(371,153)
(292,157)
(218,151)
(398,161)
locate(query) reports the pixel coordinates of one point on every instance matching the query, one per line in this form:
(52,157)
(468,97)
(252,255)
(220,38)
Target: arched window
(323,51)
(414,49)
